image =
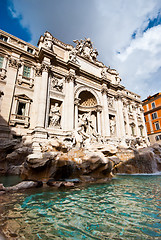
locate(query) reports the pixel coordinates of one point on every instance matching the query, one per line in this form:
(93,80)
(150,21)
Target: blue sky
(127,34)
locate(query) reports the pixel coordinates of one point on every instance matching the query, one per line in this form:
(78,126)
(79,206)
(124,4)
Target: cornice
(46,53)
(20,51)
(152,110)
(73,65)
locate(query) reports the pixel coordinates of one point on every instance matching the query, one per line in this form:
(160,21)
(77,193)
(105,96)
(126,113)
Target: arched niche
(87,106)
(87,99)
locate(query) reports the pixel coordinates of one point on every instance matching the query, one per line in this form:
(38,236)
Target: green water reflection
(129,207)
(10,180)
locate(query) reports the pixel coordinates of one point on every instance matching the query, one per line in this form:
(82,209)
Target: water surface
(129,207)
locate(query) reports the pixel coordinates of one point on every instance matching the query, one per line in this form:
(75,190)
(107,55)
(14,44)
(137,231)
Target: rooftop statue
(85,49)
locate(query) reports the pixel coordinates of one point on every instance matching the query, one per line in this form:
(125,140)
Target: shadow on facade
(13,150)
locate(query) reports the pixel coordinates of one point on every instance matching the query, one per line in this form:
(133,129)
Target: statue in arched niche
(55,115)
(112,126)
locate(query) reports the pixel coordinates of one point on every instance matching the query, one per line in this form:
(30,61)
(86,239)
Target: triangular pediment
(23,96)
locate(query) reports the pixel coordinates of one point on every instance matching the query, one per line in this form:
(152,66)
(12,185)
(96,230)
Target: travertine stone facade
(56,89)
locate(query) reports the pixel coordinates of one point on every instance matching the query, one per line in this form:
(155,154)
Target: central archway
(86,110)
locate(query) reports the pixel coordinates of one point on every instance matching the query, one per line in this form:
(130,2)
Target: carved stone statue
(104,73)
(85,49)
(57,84)
(112,126)
(73,56)
(94,54)
(86,128)
(110,102)
(118,80)
(48,41)
(55,115)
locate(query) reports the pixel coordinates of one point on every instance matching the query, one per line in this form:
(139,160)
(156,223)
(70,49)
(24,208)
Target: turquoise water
(10,180)
(129,207)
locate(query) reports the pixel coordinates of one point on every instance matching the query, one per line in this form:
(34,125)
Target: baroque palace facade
(56,89)
(152,113)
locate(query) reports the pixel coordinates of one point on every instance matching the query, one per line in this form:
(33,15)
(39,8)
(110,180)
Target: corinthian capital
(76,101)
(70,78)
(45,67)
(104,89)
(14,63)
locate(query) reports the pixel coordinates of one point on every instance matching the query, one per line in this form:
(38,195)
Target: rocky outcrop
(12,154)
(21,186)
(58,161)
(145,160)
(82,164)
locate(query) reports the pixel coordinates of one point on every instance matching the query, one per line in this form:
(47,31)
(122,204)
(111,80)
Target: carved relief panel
(57,83)
(110,102)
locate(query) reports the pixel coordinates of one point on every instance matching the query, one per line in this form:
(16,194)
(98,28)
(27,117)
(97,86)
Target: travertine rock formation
(146,160)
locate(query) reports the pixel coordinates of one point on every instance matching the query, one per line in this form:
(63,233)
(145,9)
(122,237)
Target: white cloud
(13,13)
(110,25)
(143,60)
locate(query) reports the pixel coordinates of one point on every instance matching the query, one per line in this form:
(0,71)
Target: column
(143,122)
(76,102)
(43,97)
(8,97)
(99,120)
(4,68)
(120,118)
(36,95)
(20,73)
(68,121)
(127,119)
(32,77)
(105,113)
(136,121)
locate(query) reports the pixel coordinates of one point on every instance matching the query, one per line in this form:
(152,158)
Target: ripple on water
(126,208)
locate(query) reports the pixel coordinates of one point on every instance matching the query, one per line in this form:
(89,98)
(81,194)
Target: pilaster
(76,103)
(68,121)
(12,72)
(120,118)
(127,119)
(135,121)
(105,112)
(43,96)
(98,110)
(144,126)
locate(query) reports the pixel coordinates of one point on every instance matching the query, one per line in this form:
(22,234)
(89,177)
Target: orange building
(152,114)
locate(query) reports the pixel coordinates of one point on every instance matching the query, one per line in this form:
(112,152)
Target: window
(21,109)
(132,130)
(154,115)
(129,106)
(158,137)
(153,104)
(26,71)
(1,61)
(30,50)
(141,131)
(3,38)
(157,127)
